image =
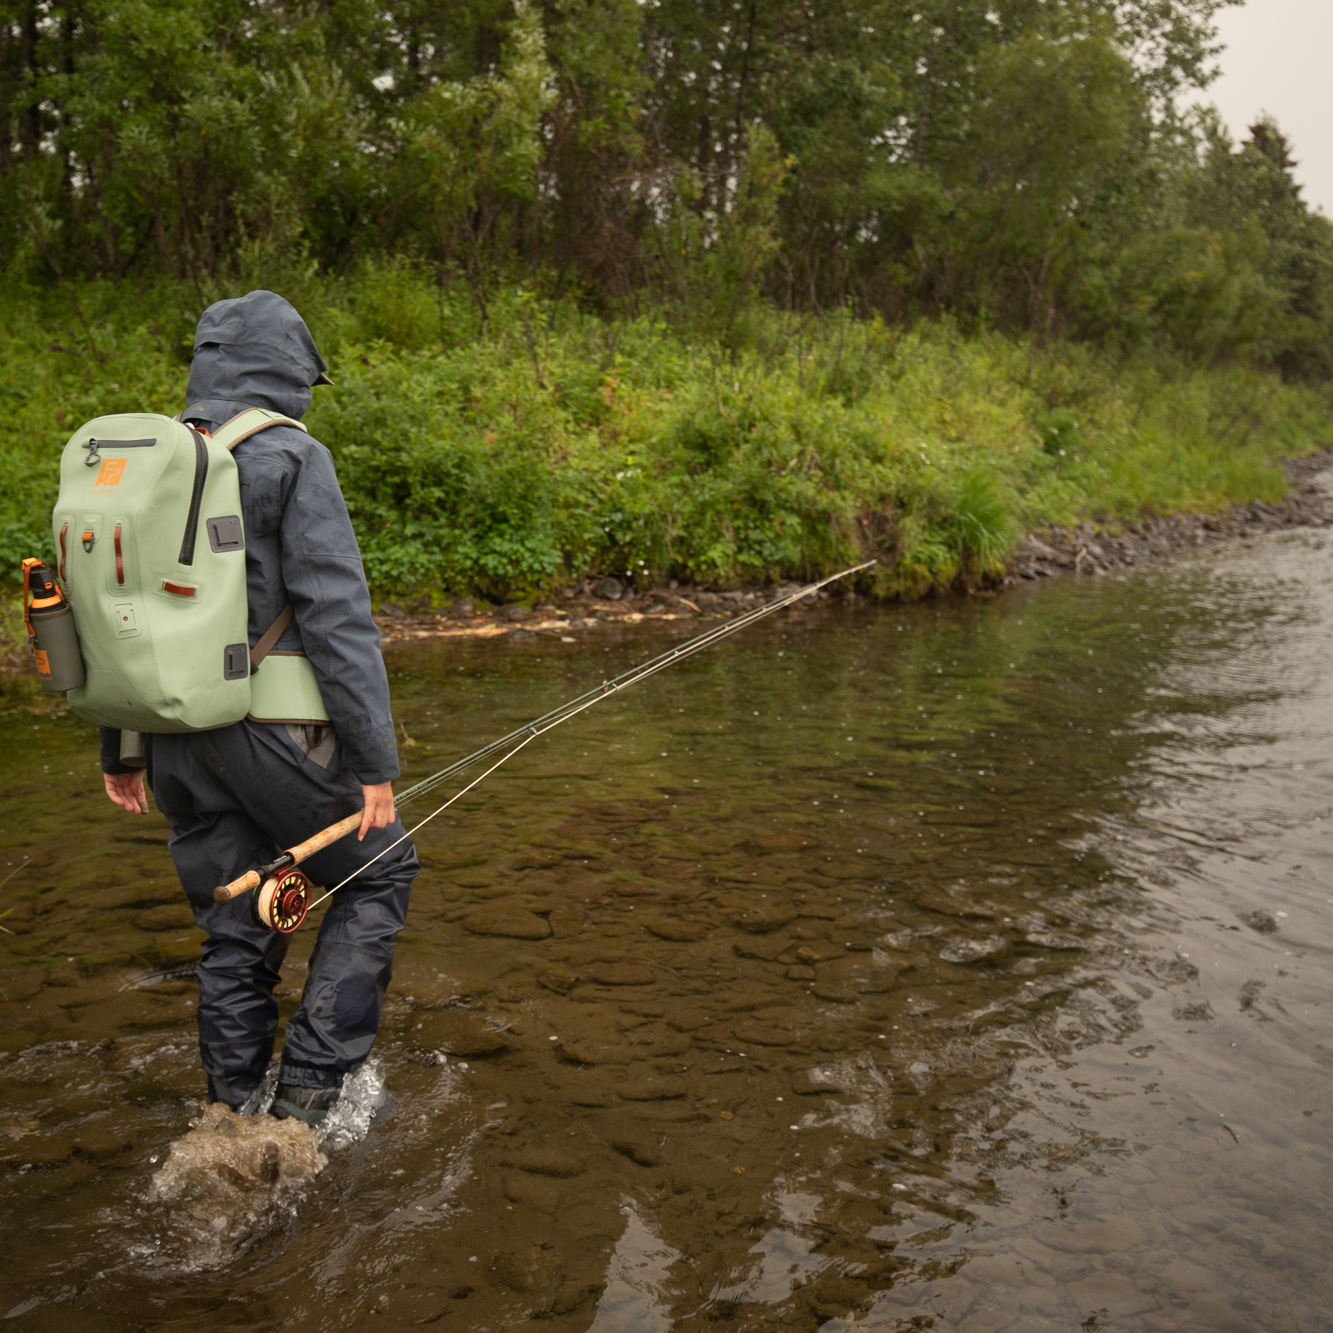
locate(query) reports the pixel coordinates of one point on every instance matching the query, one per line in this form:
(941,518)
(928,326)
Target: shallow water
(885,968)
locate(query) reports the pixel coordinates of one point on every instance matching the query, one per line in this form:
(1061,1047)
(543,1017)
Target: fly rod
(281,894)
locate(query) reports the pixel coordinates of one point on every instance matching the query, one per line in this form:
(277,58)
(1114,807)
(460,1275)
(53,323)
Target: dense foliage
(1018,163)
(504,456)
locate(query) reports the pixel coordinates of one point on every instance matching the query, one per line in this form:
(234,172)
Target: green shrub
(547,444)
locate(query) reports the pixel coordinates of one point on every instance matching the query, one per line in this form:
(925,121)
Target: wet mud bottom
(959,966)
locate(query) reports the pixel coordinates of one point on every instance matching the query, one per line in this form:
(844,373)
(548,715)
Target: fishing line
(281,901)
(572,709)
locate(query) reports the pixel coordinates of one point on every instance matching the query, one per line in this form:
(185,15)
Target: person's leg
(333,1031)
(293,791)
(212,841)
(238,1015)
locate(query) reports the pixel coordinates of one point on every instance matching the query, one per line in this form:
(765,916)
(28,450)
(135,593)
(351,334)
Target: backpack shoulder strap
(251,422)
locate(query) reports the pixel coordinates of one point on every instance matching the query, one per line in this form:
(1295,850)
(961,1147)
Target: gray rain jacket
(255,351)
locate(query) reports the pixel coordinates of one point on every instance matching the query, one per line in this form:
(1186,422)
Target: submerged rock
(815,1082)
(557,979)
(529,1269)
(169,916)
(1050,939)
(622,974)
(546,1162)
(848,980)
(684,932)
(457,1034)
(1261,920)
(759,920)
(973,951)
(596,1052)
(508,920)
(652,1089)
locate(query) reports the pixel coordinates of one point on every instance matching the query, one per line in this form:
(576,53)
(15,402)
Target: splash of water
(364,1101)
(261,1098)
(232,1177)
(236,1176)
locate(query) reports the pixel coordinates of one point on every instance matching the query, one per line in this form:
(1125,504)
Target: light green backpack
(151,554)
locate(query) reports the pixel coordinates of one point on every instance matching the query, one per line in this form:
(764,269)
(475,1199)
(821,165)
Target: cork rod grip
(324,837)
(226,892)
(302,850)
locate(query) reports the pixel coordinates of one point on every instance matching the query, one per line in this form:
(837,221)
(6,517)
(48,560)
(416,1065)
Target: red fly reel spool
(281,903)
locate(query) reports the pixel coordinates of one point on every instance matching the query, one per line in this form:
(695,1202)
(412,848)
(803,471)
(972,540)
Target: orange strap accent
(177,589)
(64,529)
(120,561)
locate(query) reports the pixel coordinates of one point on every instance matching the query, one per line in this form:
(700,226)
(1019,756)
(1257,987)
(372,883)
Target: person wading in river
(234,795)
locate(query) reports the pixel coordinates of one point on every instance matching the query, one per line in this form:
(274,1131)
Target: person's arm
(124,784)
(324,577)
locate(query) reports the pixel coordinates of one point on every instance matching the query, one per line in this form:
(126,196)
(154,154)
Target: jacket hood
(251,351)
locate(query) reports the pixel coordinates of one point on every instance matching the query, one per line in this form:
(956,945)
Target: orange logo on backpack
(43,663)
(111,471)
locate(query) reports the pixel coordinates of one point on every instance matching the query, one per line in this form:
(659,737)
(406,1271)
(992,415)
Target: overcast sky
(1279,59)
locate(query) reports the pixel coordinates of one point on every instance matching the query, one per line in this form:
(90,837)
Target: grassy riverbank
(496,456)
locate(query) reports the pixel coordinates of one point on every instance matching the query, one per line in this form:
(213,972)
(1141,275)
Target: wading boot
(309,1104)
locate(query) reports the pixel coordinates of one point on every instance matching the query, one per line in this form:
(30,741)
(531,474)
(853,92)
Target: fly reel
(281,902)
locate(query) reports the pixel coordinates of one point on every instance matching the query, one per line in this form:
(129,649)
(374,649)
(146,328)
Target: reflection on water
(953,966)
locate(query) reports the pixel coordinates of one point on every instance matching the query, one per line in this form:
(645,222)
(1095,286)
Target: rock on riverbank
(1093,549)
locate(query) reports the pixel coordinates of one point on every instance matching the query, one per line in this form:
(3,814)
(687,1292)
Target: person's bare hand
(127,790)
(378,811)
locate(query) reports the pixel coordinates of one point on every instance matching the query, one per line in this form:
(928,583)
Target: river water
(955,966)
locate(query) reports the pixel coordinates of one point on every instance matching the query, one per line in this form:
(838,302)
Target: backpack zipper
(196,497)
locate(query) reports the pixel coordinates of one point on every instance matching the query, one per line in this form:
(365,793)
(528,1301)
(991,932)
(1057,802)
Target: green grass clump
(498,457)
